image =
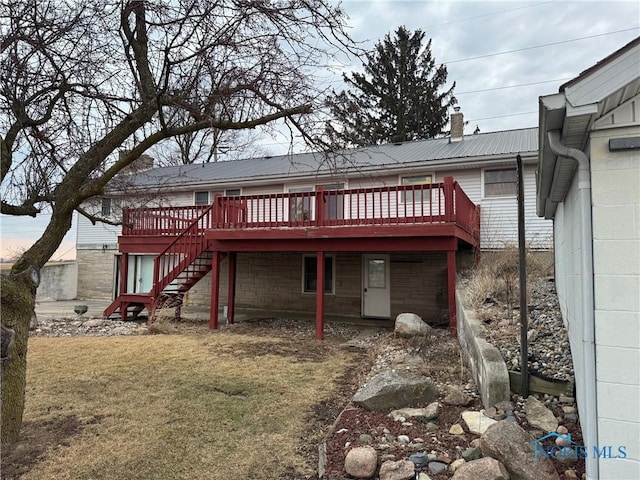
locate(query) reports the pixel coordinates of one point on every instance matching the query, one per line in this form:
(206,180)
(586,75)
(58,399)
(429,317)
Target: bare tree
(80,81)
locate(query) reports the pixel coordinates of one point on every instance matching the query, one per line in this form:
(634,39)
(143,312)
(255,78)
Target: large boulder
(396,389)
(400,470)
(507,442)
(540,416)
(482,469)
(411,325)
(361,462)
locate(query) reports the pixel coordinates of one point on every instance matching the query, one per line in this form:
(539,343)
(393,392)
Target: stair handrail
(193,233)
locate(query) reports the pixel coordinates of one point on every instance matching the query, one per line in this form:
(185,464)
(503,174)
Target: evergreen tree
(400,96)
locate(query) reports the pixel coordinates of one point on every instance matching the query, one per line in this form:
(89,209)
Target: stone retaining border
(487,365)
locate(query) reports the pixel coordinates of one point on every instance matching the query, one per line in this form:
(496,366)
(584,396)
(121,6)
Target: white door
(140,273)
(376,289)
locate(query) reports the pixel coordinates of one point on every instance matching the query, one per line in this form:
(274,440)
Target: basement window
(310,271)
(500,183)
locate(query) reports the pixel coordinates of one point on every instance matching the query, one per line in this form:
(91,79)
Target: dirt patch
(39,439)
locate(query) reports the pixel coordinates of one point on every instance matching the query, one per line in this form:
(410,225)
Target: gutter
(590,413)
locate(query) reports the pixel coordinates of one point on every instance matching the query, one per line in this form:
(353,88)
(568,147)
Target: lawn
(209,406)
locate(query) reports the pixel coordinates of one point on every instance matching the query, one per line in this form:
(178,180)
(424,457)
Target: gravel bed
(549,353)
(87,326)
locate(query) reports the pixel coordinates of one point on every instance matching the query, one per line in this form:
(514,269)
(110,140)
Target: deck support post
(215,290)
(231,290)
(320,279)
(451,290)
(124,274)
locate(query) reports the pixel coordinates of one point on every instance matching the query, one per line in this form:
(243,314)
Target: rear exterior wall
(273,281)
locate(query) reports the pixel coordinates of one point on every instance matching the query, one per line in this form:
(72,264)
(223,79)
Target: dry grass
(175,406)
(496,278)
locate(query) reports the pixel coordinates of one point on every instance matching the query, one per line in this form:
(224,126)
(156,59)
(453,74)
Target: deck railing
(435,203)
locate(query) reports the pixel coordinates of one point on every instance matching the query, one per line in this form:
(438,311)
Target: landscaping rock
(400,470)
(423,476)
(419,459)
(423,414)
(471,454)
(510,444)
(94,323)
(456,429)
(482,469)
(395,389)
(455,396)
(361,462)
(540,416)
(477,421)
(411,325)
(457,464)
(436,468)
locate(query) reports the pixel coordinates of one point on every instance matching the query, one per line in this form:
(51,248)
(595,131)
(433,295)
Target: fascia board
(552,111)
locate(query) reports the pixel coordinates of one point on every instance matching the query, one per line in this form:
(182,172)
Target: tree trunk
(18,295)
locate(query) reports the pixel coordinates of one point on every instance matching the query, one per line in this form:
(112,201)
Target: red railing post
(449,213)
(320,202)
(218,215)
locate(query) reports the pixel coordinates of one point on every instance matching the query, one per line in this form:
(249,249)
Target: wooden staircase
(182,264)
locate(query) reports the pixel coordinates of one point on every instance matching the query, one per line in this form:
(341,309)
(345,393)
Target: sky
(549,43)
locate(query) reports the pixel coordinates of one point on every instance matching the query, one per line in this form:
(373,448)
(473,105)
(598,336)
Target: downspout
(590,413)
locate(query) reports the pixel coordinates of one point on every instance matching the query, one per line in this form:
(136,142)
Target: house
(589,185)
(382,228)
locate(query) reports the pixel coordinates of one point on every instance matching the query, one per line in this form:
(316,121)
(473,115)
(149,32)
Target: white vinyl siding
(499,215)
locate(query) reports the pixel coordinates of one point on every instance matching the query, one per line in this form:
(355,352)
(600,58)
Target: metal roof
(482,146)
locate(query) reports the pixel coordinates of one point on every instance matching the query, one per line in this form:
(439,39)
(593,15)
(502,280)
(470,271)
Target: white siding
(499,216)
(615,180)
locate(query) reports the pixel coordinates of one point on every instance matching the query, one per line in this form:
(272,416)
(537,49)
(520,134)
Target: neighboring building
(386,227)
(589,184)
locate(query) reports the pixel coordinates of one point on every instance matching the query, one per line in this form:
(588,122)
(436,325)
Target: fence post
(449,214)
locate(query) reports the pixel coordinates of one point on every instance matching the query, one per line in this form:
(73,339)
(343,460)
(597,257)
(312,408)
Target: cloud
(462,30)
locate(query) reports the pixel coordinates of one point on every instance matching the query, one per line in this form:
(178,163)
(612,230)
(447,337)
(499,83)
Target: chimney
(457,125)
(142,163)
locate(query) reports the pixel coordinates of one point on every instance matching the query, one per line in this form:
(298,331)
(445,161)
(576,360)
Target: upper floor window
(334,206)
(110,207)
(201,198)
(106,207)
(500,183)
(300,205)
(232,192)
(419,194)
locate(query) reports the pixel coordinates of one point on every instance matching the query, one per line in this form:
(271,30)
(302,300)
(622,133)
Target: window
(500,183)
(232,192)
(310,272)
(110,207)
(106,207)
(300,205)
(201,198)
(334,206)
(418,195)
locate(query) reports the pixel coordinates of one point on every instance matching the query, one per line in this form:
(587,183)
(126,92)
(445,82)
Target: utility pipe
(590,412)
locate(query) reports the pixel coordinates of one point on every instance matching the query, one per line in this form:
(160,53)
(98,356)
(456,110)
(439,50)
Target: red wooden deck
(432,217)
